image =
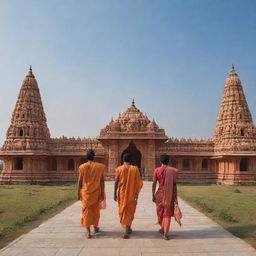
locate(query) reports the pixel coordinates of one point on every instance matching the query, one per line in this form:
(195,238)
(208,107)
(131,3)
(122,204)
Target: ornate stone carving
(28,129)
(234,130)
(187,145)
(131,121)
(28,137)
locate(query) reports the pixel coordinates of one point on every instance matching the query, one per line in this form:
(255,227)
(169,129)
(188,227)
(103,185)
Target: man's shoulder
(120,167)
(82,166)
(157,168)
(173,169)
(100,165)
(134,167)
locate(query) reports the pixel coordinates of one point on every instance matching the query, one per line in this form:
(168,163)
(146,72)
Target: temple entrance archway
(135,153)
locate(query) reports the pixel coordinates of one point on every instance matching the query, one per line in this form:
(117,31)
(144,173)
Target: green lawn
(234,207)
(30,205)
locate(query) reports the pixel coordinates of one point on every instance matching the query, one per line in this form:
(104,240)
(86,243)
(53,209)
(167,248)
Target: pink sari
(165,195)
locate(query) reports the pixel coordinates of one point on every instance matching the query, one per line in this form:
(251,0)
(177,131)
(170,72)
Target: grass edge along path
(32,220)
(203,198)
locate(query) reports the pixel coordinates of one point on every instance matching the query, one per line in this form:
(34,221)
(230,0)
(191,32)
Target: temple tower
(235,130)
(25,149)
(235,135)
(28,130)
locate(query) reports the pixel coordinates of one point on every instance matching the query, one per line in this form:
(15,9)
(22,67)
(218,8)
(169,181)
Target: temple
(29,154)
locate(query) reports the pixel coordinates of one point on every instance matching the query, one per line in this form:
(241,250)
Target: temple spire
(133,103)
(28,129)
(232,72)
(30,73)
(234,127)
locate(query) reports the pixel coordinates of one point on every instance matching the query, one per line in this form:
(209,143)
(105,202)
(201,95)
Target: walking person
(128,184)
(166,196)
(90,191)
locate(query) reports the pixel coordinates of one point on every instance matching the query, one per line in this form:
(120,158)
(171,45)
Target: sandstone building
(31,155)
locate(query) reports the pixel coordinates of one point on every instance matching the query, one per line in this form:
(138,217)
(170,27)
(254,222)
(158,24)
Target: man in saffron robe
(91,192)
(128,183)
(166,195)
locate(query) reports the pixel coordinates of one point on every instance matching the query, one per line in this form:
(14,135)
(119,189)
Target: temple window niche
(242,132)
(1,165)
(244,162)
(205,164)
(186,164)
(53,164)
(18,164)
(21,132)
(71,165)
(173,163)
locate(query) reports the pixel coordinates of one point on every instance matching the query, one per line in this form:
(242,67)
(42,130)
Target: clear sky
(91,58)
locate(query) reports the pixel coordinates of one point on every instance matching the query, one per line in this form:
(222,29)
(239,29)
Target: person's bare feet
(166,237)
(125,236)
(129,230)
(161,231)
(96,230)
(88,233)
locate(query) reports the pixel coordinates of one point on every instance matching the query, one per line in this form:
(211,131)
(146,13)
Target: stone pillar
(150,159)
(113,158)
(179,163)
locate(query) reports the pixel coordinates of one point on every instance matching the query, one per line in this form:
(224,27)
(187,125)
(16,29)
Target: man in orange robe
(91,192)
(128,183)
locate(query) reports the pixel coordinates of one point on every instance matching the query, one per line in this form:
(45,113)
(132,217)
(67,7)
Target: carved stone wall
(30,155)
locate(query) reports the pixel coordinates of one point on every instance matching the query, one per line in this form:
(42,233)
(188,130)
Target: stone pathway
(62,235)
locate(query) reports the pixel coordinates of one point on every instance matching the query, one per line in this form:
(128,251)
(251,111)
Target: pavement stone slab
(63,236)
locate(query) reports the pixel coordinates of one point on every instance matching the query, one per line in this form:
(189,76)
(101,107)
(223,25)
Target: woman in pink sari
(166,195)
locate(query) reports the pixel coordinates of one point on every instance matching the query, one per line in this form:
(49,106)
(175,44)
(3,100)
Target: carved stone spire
(30,73)
(28,129)
(235,130)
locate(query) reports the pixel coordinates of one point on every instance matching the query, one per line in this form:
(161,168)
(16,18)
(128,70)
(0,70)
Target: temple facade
(29,154)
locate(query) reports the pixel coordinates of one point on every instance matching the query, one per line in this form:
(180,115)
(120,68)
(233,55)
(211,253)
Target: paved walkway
(62,235)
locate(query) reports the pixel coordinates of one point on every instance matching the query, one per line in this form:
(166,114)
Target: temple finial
(133,103)
(232,72)
(30,73)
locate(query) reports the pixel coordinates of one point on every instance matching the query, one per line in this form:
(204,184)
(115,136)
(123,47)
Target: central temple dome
(132,121)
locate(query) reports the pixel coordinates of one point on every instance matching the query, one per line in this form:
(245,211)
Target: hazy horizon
(91,58)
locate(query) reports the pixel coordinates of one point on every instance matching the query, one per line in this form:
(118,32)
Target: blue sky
(91,58)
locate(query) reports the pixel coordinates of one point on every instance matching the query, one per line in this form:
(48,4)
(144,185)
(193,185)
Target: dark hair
(164,159)
(127,157)
(90,155)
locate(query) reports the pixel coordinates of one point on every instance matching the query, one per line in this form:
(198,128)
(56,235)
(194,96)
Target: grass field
(234,207)
(30,205)
(23,207)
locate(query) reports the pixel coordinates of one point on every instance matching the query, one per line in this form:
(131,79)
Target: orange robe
(91,174)
(130,184)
